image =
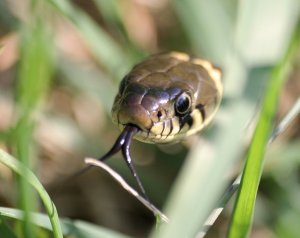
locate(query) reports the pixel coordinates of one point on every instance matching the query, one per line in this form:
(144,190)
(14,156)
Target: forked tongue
(123,141)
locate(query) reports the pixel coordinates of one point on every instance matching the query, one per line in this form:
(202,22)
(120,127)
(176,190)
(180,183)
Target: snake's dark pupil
(182,104)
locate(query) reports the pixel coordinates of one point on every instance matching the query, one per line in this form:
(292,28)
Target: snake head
(162,99)
(167,97)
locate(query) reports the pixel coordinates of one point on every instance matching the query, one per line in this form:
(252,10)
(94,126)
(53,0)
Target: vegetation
(60,65)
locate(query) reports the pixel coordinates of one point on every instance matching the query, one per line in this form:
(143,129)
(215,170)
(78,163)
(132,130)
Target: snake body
(167,97)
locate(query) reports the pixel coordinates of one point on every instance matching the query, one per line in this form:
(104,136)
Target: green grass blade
(244,206)
(208,26)
(111,12)
(104,47)
(5,231)
(76,228)
(255,44)
(34,76)
(284,123)
(27,175)
(35,69)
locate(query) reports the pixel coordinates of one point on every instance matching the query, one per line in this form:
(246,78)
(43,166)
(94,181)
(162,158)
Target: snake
(164,99)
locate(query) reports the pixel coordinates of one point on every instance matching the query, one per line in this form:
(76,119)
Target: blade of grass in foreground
(243,212)
(70,228)
(27,175)
(34,78)
(286,121)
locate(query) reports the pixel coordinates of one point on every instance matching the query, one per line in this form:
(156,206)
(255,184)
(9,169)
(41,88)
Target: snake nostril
(159,114)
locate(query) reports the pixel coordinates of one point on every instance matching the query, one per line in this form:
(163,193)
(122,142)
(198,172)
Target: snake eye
(183,104)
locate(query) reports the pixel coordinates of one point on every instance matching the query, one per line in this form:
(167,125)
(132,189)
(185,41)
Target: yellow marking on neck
(180,56)
(198,122)
(213,72)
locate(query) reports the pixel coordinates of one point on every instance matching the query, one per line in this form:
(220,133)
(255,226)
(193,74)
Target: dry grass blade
(285,122)
(126,186)
(217,211)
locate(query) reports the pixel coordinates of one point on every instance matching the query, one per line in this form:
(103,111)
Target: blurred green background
(60,65)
